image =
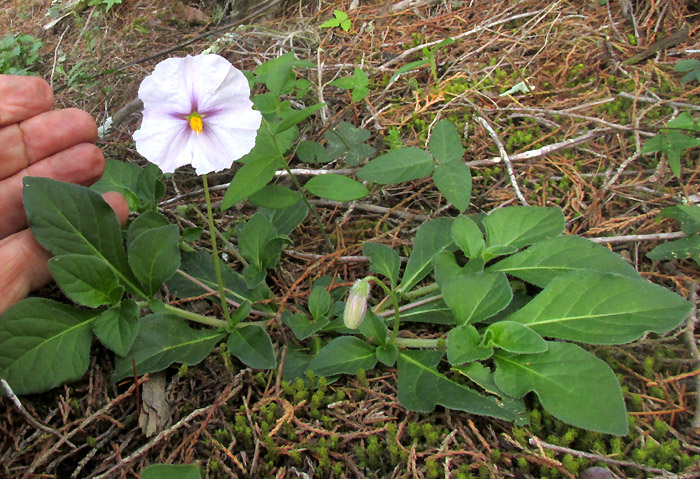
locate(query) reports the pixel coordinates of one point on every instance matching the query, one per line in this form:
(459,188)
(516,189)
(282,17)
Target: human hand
(35,141)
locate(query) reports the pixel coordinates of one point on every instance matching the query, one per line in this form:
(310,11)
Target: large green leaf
(404,164)
(118,326)
(445,143)
(86,280)
(253,346)
(336,187)
(422,387)
(251,178)
(454,180)
(154,256)
(599,308)
(431,238)
(288,219)
(344,355)
(121,177)
(467,236)
(477,296)
(383,260)
(144,222)
(519,226)
(72,219)
(514,338)
(43,344)
(260,243)
(165,339)
(275,196)
(688,215)
(571,383)
(547,259)
(464,345)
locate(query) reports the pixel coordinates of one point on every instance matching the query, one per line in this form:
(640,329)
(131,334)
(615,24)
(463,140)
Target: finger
(25,143)
(23,97)
(24,261)
(82,164)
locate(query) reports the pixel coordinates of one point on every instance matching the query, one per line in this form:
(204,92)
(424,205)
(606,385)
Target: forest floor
(573,136)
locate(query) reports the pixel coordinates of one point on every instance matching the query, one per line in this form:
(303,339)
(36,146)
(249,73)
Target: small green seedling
(341,20)
(691,68)
(358,83)
(428,59)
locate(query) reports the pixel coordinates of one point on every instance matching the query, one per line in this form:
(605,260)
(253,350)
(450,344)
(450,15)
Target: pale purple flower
(196,110)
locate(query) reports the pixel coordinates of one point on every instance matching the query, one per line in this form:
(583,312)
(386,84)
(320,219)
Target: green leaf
(275,196)
(165,339)
(407,68)
(149,187)
(477,296)
(278,74)
(571,383)
(599,308)
(144,222)
(374,328)
(467,236)
(692,66)
(171,471)
(343,355)
(684,248)
(72,219)
(464,346)
(319,302)
(454,180)
(383,260)
(253,346)
(336,187)
(260,243)
(43,344)
(346,83)
(154,256)
(514,338)
(433,312)
(121,177)
(360,77)
(445,143)
(431,238)
(118,326)
(301,326)
(288,219)
(404,164)
(387,354)
(689,216)
(547,259)
(294,117)
(359,93)
(519,226)
(422,387)
(86,280)
(251,178)
(672,141)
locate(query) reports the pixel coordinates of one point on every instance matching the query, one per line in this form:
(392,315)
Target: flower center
(196,122)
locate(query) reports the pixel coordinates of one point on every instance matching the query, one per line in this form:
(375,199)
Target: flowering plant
(508,292)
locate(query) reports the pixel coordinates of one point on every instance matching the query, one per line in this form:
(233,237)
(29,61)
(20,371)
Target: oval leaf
(154,256)
(344,355)
(86,280)
(464,345)
(253,346)
(171,471)
(519,226)
(251,178)
(571,383)
(404,164)
(163,340)
(43,344)
(431,238)
(545,260)
(383,260)
(445,143)
(477,296)
(514,338)
(336,187)
(275,196)
(599,308)
(118,327)
(454,180)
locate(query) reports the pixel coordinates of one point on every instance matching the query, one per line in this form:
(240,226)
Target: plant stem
(417,343)
(229,246)
(215,251)
(395,303)
(198,318)
(417,293)
(302,192)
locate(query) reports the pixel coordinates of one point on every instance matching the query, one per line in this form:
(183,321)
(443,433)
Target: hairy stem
(215,251)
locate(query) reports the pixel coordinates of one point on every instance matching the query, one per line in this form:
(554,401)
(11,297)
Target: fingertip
(23,97)
(118,204)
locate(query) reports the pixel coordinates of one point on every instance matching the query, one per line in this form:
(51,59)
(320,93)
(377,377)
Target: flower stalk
(215,251)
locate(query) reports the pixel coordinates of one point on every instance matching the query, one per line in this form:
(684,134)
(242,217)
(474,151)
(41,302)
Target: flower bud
(356,306)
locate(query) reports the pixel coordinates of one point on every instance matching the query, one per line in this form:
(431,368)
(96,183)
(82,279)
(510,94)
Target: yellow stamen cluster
(196,124)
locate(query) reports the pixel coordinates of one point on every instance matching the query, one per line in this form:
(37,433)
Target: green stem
(215,251)
(417,293)
(302,192)
(417,343)
(395,303)
(198,318)
(229,246)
